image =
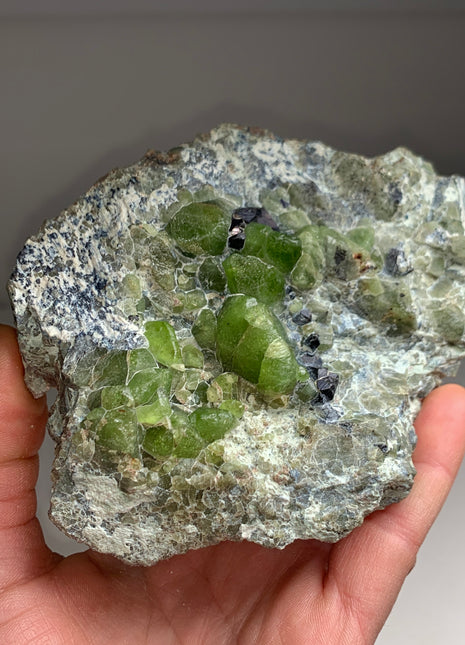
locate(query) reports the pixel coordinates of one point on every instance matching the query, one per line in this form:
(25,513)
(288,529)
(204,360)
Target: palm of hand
(232,593)
(309,593)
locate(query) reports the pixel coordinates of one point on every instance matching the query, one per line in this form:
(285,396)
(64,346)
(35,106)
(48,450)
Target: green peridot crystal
(278,249)
(211,275)
(163,343)
(250,275)
(252,342)
(241,340)
(144,402)
(200,228)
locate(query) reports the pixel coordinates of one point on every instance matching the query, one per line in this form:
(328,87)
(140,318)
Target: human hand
(310,593)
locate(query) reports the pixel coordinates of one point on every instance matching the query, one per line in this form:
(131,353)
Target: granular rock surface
(240,332)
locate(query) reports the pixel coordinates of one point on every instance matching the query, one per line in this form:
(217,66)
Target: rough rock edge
(38,385)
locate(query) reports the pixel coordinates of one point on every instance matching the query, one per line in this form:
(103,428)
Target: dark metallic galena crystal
(327,383)
(243,216)
(302,317)
(312,342)
(236,239)
(249,214)
(312,363)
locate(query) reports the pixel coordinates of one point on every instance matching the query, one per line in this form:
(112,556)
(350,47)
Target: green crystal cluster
(131,402)
(240,331)
(225,338)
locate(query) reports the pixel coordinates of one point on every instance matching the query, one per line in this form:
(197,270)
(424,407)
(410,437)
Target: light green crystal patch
(200,227)
(116,430)
(158,442)
(204,329)
(328,254)
(449,321)
(163,342)
(211,275)
(192,356)
(147,382)
(198,429)
(153,413)
(229,299)
(252,342)
(111,369)
(253,277)
(136,406)
(381,302)
(278,249)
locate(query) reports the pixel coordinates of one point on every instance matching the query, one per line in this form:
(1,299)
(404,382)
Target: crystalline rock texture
(240,332)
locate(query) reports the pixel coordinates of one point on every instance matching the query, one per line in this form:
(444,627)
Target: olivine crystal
(240,332)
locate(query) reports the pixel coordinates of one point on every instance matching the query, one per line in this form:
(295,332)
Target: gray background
(89,86)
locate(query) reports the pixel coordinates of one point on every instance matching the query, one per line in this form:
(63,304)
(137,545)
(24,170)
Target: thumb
(23,553)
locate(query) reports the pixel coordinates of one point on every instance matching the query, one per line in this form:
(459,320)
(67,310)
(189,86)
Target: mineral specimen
(240,332)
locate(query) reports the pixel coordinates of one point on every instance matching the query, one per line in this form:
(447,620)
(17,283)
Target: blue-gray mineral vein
(240,331)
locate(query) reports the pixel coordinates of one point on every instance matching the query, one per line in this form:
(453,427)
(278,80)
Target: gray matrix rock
(240,332)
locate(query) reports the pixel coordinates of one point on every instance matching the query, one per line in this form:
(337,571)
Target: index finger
(23,553)
(22,418)
(370,565)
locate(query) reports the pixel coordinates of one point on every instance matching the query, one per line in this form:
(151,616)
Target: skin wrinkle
(14,500)
(13,620)
(436,465)
(169,623)
(151,598)
(157,614)
(23,506)
(395,532)
(218,613)
(273,594)
(21,593)
(404,529)
(209,625)
(207,584)
(353,611)
(89,610)
(24,453)
(229,614)
(288,580)
(245,624)
(207,614)
(36,553)
(278,570)
(23,472)
(255,601)
(35,636)
(59,596)
(148,628)
(273,600)
(363,605)
(325,575)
